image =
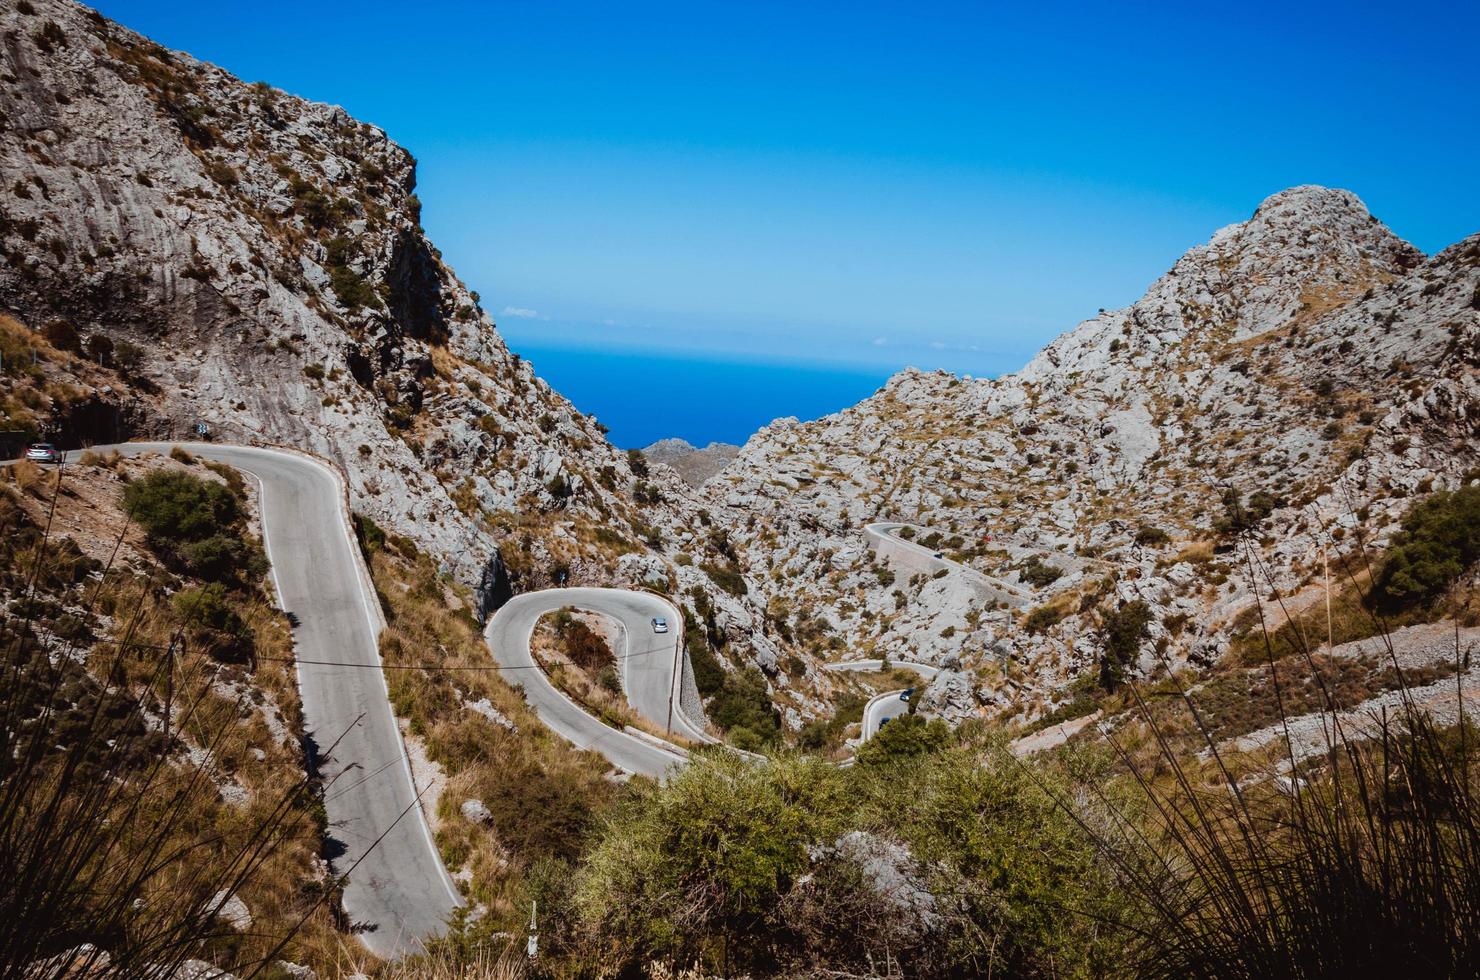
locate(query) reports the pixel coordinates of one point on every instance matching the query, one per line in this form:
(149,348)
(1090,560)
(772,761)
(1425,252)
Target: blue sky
(946,185)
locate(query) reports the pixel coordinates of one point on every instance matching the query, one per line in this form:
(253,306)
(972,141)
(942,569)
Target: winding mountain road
(886,704)
(399,893)
(648,662)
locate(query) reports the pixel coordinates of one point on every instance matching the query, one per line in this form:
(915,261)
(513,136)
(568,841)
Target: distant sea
(643,397)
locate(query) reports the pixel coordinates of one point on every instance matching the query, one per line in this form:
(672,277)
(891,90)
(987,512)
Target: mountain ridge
(1170,398)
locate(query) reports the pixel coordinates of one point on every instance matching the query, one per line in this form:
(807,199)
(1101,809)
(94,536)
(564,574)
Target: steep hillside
(229,254)
(1307,361)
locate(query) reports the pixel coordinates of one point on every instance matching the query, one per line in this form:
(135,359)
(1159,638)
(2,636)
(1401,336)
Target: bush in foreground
(952,862)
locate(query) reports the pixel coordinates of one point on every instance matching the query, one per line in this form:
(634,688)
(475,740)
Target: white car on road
(44,452)
(660,625)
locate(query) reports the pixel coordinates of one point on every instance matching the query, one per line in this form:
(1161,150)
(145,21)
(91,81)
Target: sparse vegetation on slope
(149,793)
(1440,540)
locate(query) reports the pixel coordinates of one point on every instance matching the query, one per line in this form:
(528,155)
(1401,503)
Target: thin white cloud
(880,341)
(937,345)
(522,313)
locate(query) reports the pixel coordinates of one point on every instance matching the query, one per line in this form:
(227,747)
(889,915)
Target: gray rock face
(233,911)
(950,695)
(892,873)
(476,811)
(199,970)
(264,256)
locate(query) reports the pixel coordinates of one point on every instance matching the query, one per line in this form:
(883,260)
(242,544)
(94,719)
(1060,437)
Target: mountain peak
(1307,198)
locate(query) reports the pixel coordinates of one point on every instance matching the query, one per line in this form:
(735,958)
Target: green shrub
(221,556)
(1041,618)
(1029,895)
(1241,515)
(706,859)
(727,577)
(584,647)
(1439,540)
(709,676)
(1150,537)
(63,336)
(826,732)
(904,737)
(769,870)
(194,524)
(1037,574)
(128,355)
(351,289)
(370,535)
(215,622)
(1121,633)
(174,507)
(744,702)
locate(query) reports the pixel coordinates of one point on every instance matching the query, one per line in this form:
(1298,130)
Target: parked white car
(44,452)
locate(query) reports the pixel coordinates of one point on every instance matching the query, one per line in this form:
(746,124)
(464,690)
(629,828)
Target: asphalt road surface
(884,538)
(647,661)
(399,893)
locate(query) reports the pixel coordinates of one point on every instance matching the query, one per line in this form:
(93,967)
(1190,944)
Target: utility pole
(1326,563)
(532,950)
(678,669)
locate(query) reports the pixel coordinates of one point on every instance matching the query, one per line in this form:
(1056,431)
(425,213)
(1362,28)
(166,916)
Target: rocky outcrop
(694,465)
(245,259)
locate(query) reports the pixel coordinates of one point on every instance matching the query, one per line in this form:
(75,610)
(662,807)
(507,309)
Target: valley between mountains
(1255,491)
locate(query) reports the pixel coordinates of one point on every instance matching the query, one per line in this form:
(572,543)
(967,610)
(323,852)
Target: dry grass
(30,478)
(482,964)
(108,460)
(544,795)
(586,689)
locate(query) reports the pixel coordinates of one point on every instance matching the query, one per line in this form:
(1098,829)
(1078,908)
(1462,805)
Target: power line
(345,663)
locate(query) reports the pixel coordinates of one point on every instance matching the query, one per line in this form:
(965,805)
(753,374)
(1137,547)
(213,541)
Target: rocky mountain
(234,256)
(1305,372)
(693,464)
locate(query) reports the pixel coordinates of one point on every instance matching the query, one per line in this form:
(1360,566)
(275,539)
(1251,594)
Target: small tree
(63,336)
